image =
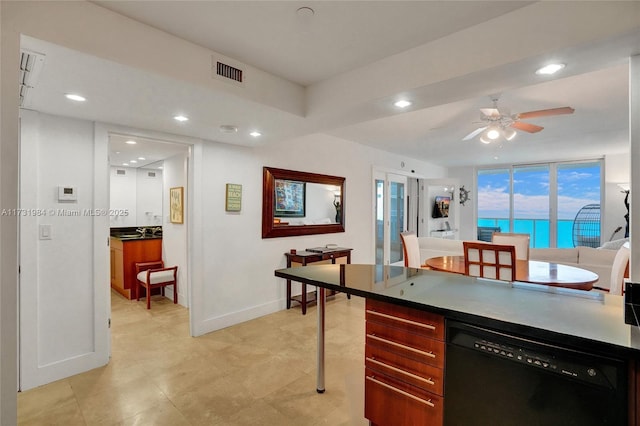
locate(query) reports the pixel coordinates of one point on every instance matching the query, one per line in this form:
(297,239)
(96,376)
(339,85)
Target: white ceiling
(343,41)
(145,153)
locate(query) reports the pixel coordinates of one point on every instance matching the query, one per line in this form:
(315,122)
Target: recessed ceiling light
(160,167)
(125,164)
(181,118)
(131,142)
(117,152)
(550,69)
(255,134)
(402,103)
(75,97)
(133,161)
(141,158)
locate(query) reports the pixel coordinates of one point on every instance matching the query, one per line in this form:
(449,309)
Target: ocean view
(537,228)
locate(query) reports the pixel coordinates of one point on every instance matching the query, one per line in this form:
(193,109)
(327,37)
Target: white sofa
(598,260)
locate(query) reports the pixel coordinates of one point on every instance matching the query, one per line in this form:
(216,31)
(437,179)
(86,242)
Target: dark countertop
(131,234)
(585,320)
(132,237)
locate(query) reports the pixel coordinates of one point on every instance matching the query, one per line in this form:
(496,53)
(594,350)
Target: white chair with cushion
(519,241)
(411,249)
(489,260)
(152,275)
(619,270)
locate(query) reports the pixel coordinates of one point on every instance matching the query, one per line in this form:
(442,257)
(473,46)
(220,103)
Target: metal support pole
(320,366)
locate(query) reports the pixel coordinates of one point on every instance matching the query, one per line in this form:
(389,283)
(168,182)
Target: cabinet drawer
(392,403)
(419,322)
(417,373)
(410,345)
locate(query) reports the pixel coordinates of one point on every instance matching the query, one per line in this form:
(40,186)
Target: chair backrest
(619,269)
(519,241)
(489,260)
(143,266)
(411,249)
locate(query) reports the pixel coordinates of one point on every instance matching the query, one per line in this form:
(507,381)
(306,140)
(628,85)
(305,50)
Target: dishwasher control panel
(555,360)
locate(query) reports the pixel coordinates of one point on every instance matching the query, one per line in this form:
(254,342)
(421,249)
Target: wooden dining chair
(489,260)
(152,275)
(520,241)
(411,250)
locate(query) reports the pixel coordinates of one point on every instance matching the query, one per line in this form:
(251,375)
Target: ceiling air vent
(31,64)
(121,172)
(228,73)
(151,174)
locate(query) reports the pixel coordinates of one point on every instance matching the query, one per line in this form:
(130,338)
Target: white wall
(138,194)
(122,196)
(149,196)
(9,160)
(175,250)
(63,325)
(237,277)
(466,177)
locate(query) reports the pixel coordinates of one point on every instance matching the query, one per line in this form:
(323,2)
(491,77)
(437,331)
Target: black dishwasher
(497,379)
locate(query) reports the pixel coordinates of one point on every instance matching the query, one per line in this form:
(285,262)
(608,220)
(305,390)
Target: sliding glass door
(542,200)
(390,217)
(531,203)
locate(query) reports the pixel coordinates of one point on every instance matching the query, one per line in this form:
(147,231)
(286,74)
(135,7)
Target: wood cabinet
(404,366)
(124,255)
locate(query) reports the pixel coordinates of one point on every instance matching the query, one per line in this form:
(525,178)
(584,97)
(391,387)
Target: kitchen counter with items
(137,233)
(129,246)
(424,326)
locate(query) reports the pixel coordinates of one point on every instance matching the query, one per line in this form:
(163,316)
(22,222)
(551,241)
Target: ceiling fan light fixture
(509,134)
(484,139)
(493,134)
(550,69)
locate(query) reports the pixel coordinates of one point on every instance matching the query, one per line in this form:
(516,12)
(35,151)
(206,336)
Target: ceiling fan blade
(490,112)
(475,133)
(546,112)
(526,127)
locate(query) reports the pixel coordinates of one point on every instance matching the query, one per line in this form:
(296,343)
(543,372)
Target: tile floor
(261,372)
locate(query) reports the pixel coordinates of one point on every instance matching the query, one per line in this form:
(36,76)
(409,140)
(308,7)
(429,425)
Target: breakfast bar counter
(418,308)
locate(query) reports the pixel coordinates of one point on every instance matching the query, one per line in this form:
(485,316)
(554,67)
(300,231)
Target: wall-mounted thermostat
(67,193)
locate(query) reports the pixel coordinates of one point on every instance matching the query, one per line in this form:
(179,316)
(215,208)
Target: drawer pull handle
(407,394)
(430,354)
(406,321)
(406,373)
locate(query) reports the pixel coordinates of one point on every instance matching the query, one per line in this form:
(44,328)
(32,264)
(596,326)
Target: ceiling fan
(496,122)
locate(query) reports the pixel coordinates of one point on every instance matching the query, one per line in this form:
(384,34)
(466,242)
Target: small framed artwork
(289,198)
(176,207)
(233,201)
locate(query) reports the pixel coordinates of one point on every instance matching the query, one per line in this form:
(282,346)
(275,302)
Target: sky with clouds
(578,185)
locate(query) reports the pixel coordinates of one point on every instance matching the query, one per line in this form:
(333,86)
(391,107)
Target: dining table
(530,271)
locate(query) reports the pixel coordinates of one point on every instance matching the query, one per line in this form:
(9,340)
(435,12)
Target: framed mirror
(300,203)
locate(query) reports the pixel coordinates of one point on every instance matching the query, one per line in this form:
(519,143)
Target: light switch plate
(45,232)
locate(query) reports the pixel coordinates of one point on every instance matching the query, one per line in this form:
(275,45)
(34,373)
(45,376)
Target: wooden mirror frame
(269,229)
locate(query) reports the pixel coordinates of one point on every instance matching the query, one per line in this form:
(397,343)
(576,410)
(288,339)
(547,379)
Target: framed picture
(176,207)
(289,198)
(233,200)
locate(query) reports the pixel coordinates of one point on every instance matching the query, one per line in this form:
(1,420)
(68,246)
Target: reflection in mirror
(299,203)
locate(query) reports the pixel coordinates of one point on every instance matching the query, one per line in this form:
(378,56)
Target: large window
(541,200)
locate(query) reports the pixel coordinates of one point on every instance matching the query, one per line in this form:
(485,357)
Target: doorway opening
(145,224)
